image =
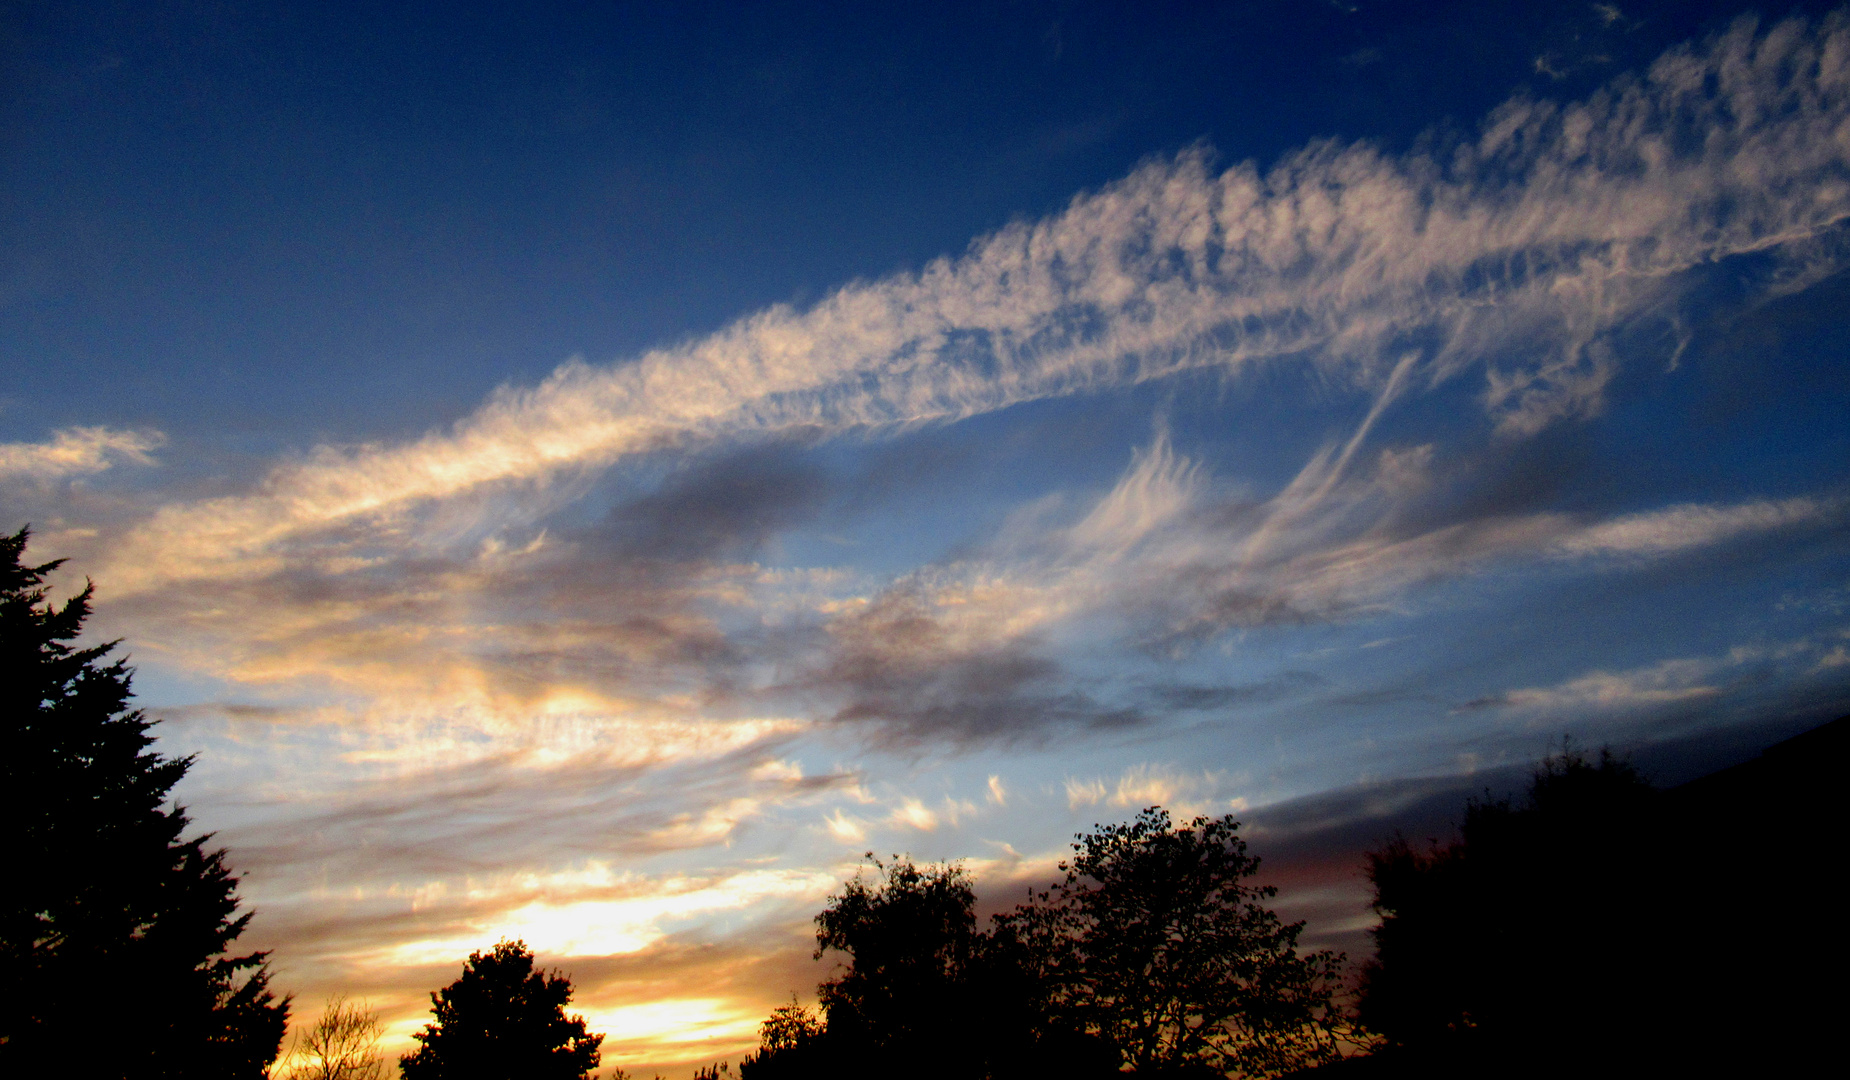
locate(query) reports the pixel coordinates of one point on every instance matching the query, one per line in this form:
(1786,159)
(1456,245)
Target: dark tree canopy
(1599,925)
(503,1020)
(105,906)
(1488,936)
(911,945)
(1155,953)
(1158,944)
(910,942)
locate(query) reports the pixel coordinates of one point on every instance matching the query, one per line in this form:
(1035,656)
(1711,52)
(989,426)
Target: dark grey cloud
(1200,698)
(725,507)
(1002,696)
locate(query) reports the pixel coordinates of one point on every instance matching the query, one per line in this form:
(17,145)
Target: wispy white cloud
(1515,255)
(1084,792)
(1183,792)
(1665,683)
(77,451)
(1168,558)
(1657,684)
(419,572)
(1676,528)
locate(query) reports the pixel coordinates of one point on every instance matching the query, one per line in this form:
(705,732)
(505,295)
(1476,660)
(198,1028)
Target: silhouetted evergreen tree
(503,1020)
(113,929)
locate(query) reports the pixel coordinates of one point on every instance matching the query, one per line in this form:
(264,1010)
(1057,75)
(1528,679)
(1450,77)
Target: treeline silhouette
(1154,954)
(1601,925)
(1596,925)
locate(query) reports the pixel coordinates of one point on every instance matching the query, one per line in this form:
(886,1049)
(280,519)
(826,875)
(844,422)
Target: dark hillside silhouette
(1601,925)
(110,922)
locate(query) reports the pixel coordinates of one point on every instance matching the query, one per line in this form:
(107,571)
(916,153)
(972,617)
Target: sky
(588,474)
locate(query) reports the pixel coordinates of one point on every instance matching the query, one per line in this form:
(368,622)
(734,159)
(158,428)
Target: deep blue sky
(259,225)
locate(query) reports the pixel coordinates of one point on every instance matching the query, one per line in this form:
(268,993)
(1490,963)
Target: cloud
(913,813)
(1677,528)
(1191,698)
(1662,683)
(615,916)
(846,829)
(1163,785)
(77,451)
(1084,792)
(460,568)
(1516,255)
(1169,557)
(724,508)
(1667,683)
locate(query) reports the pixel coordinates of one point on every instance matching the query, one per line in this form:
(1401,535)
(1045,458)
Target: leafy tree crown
(503,1020)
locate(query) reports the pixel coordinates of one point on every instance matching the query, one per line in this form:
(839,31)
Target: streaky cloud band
(1519,253)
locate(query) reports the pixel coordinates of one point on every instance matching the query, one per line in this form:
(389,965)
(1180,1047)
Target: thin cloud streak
(1558,225)
(77,451)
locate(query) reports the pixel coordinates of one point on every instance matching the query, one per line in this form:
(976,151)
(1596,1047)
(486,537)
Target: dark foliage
(1602,926)
(1539,889)
(1158,944)
(503,1020)
(102,897)
(1154,953)
(910,982)
(911,944)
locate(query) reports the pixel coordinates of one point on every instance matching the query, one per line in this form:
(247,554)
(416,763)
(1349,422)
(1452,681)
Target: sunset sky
(587,474)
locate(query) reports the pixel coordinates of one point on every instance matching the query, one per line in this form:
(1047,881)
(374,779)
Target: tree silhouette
(789,1026)
(102,897)
(1154,952)
(1156,943)
(342,1045)
(920,990)
(1679,932)
(910,943)
(791,1043)
(503,1020)
(1518,927)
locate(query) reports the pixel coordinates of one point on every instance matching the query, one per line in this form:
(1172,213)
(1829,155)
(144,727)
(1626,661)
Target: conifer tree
(110,921)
